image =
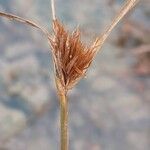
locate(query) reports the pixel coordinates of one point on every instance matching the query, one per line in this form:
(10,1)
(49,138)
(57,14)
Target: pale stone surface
(23,91)
(11,121)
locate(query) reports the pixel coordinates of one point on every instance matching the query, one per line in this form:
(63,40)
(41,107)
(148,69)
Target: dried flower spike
(71,56)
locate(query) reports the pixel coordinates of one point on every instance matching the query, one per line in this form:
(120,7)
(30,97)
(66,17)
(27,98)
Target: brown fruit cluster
(71,56)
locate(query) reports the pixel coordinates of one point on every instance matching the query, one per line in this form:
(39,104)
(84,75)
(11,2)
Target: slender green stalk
(63,101)
(64,138)
(64,122)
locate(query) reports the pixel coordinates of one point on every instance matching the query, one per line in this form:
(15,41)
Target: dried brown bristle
(71,56)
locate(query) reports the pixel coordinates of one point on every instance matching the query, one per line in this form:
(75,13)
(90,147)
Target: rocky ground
(109,109)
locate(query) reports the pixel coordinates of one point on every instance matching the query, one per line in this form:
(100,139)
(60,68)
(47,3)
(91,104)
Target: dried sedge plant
(71,57)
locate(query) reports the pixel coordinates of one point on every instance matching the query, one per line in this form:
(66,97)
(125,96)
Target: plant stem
(24,21)
(53,9)
(128,5)
(64,122)
(63,117)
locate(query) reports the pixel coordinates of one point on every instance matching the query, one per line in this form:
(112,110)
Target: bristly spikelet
(71,56)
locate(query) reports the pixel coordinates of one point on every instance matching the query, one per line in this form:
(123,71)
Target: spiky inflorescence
(71,56)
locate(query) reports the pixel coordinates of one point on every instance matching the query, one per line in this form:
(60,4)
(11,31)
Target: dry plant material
(24,21)
(71,57)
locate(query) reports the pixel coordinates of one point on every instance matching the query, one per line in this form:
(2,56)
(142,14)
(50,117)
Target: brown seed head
(71,56)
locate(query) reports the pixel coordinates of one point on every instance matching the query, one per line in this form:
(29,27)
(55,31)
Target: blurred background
(109,109)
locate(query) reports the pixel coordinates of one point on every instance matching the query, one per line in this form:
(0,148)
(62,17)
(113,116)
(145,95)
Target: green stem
(63,117)
(64,122)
